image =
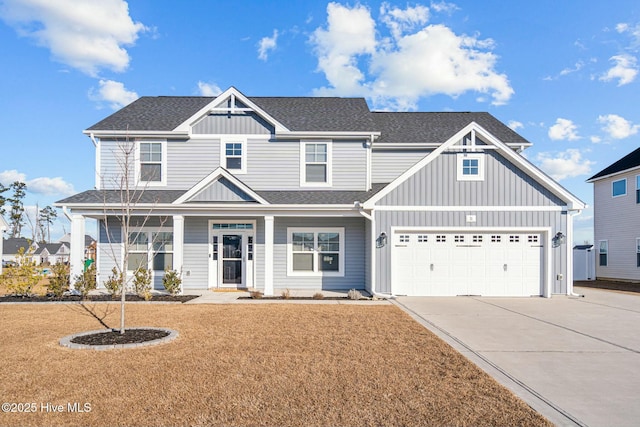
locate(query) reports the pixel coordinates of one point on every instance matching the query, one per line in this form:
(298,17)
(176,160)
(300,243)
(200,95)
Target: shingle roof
(629,161)
(11,245)
(52,248)
(438,127)
(114,196)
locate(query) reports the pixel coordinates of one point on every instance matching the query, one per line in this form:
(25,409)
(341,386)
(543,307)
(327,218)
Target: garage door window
(316,252)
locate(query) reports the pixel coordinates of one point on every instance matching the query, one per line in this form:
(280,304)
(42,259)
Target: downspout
(357,205)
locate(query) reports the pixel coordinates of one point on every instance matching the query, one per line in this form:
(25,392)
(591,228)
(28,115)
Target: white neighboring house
(52,253)
(12,246)
(3,227)
(616,202)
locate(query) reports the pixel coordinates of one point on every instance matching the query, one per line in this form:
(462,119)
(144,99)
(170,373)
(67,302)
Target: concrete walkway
(233,297)
(575,360)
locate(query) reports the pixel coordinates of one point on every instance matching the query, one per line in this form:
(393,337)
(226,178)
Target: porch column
(268,255)
(76,252)
(178,244)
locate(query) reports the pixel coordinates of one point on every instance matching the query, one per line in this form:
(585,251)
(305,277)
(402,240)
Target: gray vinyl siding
(557,221)
(387,165)
(221,190)
(354,255)
(617,220)
(113,158)
(238,123)
(436,185)
(195,264)
(189,161)
(349,165)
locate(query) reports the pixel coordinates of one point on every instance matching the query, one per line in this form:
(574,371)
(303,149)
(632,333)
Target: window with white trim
(603,253)
(315,251)
(638,252)
(619,187)
(637,188)
(151,165)
(234,156)
(315,167)
(470,166)
(151,249)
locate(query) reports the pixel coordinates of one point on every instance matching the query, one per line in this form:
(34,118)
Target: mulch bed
(94,298)
(130,336)
(306,298)
(609,285)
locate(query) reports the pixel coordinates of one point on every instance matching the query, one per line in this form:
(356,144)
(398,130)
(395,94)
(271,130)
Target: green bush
(59,279)
(86,281)
(21,278)
(142,283)
(114,282)
(172,281)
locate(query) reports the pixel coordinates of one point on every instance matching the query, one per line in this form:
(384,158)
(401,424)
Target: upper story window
(152,162)
(234,156)
(315,168)
(637,188)
(470,166)
(619,187)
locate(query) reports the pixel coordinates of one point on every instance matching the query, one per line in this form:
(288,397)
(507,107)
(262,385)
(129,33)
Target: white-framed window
(470,166)
(637,188)
(233,156)
(150,248)
(619,188)
(637,251)
(151,162)
(603,253)
(315,251)
(315,164)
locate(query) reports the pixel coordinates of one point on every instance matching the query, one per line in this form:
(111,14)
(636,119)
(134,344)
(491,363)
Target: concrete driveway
(575,360)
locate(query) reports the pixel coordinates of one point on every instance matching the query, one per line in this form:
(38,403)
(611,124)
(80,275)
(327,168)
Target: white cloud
(114,93)
(267,44)
(625,70)
(565,164)
(564,130)
(514,124)
(632,30)
(617,127)
(86,35)
(357,63)
(208,89)
(42,185)
(595,139)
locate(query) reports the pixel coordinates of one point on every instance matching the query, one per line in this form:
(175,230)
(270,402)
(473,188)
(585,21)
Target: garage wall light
(558,239)
(381,241)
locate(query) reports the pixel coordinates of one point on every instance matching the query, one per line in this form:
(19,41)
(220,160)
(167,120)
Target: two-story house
(616,213)
(324,194)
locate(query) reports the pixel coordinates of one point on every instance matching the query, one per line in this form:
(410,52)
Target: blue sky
(562,74)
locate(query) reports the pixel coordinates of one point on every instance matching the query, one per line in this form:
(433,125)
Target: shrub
(21,278)
(286,294)
(114,282)
(354,294)
(142,283)
(172,281)
(256,294)
(59,279)
(86,281)
(318,295)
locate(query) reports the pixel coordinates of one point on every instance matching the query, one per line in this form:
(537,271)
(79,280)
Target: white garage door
(449,264)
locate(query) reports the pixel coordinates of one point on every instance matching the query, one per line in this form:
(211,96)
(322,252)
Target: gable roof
(214,176)
(11,245)
(630,161)
(52,248)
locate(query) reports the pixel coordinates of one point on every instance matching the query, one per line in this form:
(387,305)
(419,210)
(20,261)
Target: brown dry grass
(39,289)
(245,365)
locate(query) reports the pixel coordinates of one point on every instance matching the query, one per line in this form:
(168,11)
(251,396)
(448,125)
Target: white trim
(635,168)
(163,165)
(243,153)
(473,208)
(606,241)
(268,254)
(461,157)
(326,135)
(135,133)
(210,179)
(625,188)
(215,271)
(98,148)
(303,163)
(178,246)
(431,145)
(316,272)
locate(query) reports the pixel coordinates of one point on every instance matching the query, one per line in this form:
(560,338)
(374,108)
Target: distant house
(616,202)
(3,227)
(52,253)
(89,245)
(12,246)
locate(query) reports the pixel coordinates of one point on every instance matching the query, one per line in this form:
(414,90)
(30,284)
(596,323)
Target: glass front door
(232,259)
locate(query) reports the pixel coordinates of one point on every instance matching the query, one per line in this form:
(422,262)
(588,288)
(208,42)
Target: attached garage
(444,263)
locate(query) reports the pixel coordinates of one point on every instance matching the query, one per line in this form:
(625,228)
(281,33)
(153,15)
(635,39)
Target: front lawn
(246,365)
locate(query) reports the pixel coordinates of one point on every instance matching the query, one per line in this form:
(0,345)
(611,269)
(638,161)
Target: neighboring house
(52,253)
(323,194)
(89,245)
(616,205)
(3,228)
(12,246)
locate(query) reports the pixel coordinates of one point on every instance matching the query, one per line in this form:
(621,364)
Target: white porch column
(76,254)
(178,244)
(268,254)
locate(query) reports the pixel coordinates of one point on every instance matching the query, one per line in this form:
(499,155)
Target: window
(234,156)
(637,188)
(403,238)
(423,238)
(151,249)
(477,239)
(316,251)
(315,168)
(470,167)
(514,239)
(458,239)
(151,163)
(603,252)
(637,252)
(496,238)
(619,188)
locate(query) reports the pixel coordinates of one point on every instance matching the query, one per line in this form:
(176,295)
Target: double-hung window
(234,156)
(637,252)
(151,163)
(603,253)
(315,164)
(470,167)
(150,249)
(316,251)
(619,188)
(637,188)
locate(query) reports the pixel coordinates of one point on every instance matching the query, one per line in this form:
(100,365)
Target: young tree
(16,215)
(46,217)
(3,199)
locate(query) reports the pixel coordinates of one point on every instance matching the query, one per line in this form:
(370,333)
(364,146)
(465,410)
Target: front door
(231,259)
(231,254)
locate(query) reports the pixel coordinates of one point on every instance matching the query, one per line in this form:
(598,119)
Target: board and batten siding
(354,263)
(617,220)
(388,164)
(436,184)
(236,123)
(222,190)
(485,221)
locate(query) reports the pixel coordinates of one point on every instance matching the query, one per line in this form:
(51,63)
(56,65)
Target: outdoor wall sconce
(381,241)
(558,239)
